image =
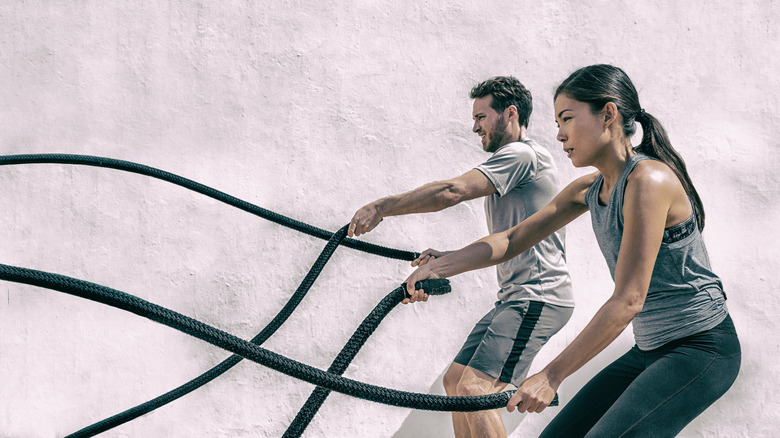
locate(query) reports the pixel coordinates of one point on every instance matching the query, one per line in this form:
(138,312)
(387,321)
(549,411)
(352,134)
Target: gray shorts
(505,341)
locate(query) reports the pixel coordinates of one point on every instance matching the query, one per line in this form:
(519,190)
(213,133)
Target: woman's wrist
(554,375)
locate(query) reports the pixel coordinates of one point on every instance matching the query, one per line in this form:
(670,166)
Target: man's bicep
(473,184)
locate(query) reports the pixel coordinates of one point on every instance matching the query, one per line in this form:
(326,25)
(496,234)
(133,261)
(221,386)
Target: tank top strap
(620,187)
(616,197)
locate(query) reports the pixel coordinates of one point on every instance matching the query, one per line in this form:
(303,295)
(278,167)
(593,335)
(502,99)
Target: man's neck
(516,135)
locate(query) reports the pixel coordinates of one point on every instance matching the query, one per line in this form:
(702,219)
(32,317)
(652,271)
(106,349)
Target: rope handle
(431,286)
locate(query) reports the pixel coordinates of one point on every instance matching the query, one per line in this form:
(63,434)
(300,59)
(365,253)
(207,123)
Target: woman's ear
(610,113)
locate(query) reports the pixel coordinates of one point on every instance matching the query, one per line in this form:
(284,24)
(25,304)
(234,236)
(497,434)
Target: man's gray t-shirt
(524,176)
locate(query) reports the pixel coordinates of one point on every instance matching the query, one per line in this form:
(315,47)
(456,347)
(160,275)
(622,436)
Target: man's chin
(492,148)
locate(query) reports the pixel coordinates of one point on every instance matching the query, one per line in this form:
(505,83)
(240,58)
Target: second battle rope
(246,349)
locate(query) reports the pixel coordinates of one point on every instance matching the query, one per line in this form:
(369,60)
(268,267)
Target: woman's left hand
(533,395)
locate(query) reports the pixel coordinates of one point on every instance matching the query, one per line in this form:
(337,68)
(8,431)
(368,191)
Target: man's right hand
(364,220)
(428,255)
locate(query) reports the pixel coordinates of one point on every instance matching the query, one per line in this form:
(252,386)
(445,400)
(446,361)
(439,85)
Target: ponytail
(656,144)
(600,84)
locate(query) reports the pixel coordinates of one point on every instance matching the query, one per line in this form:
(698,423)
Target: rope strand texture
(326,381)
(345,356)
(226,341)
(224,366)
(111,163)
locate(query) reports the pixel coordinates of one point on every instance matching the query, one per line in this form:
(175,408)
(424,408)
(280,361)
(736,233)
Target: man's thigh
(513,337)
(475,382)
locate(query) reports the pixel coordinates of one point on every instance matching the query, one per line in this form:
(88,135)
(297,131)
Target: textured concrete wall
(312,109)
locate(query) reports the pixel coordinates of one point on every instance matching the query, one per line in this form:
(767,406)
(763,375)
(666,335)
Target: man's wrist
(380,207)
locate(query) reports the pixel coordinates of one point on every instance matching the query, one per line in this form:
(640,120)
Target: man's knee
(475,382)
(452,377)
(470,387)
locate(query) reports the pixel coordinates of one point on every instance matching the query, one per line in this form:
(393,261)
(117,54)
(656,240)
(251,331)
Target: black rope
(335,239)
(345,356)
(325,381)
(236,345)
(111,163)
(224,366)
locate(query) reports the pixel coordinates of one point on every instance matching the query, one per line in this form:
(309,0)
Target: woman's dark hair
(600,84)
(506,91)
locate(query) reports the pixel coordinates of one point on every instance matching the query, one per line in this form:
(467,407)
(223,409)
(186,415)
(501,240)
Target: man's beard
(497,135)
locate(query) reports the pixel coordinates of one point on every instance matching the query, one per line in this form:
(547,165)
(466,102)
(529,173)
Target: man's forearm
(431,197)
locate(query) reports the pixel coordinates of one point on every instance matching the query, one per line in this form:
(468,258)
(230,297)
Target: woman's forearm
(611,319)
(488,251)
(500,247)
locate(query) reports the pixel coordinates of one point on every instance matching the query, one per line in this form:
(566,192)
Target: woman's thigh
(676,387)
(579,415)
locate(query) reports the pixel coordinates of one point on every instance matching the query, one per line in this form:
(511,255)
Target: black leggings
(653,393)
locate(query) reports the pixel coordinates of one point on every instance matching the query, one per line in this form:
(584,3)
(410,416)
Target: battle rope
(338,366)
(224,366)
(236,345)
(111,163)
(350,350)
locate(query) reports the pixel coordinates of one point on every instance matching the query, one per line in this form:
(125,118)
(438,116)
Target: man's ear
(511,113)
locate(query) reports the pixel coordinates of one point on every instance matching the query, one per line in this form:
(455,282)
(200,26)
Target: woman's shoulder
(585,181)
(577,189)
(653,174)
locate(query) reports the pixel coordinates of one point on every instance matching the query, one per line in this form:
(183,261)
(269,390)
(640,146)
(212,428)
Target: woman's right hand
(421,273)
(428,255)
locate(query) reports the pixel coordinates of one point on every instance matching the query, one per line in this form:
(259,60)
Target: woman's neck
(613,161)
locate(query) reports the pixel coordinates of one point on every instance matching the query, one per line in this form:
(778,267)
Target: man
(535,297)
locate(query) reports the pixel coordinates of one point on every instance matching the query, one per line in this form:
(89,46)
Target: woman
(647,218)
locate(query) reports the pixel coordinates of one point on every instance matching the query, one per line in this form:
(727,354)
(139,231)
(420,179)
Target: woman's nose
(561,136)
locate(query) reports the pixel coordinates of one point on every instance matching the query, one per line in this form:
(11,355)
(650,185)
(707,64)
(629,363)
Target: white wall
(312,109)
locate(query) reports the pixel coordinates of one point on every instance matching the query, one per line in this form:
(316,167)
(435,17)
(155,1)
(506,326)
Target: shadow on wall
(432,424)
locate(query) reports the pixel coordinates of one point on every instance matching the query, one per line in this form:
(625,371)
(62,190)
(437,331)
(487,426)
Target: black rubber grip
(431,286)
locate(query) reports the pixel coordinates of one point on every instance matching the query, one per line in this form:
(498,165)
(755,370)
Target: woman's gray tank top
(685,297)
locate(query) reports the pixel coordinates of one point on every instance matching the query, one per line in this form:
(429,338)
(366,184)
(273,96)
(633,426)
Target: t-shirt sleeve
(512,166)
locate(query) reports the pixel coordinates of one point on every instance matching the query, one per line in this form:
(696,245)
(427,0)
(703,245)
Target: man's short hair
(506,91)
